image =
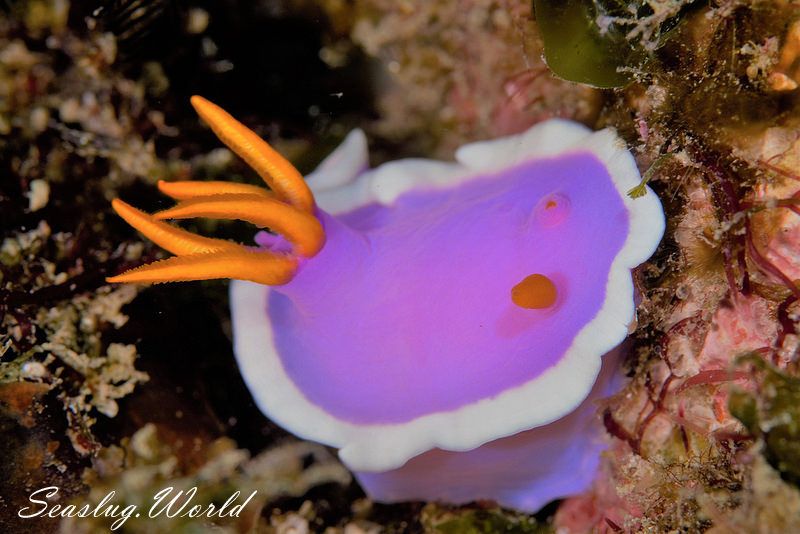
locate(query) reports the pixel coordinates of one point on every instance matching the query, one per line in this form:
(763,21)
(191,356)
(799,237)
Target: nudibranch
(443,324)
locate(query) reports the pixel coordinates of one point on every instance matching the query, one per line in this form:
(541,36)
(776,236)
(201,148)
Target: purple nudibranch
(449,335)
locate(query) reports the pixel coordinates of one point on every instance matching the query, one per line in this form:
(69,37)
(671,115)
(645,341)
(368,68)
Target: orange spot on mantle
(534,292)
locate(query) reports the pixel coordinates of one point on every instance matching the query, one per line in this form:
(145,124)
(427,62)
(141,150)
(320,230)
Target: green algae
(641,189)
(772,413)
(576,50)
(444,520)
(603,43)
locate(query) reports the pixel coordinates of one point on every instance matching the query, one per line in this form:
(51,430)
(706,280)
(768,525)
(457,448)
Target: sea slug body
(442,324)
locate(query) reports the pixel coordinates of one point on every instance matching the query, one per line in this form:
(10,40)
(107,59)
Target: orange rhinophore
(288,209)
(281,176)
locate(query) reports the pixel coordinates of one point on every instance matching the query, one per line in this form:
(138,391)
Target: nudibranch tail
(287,210)
(281,176)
